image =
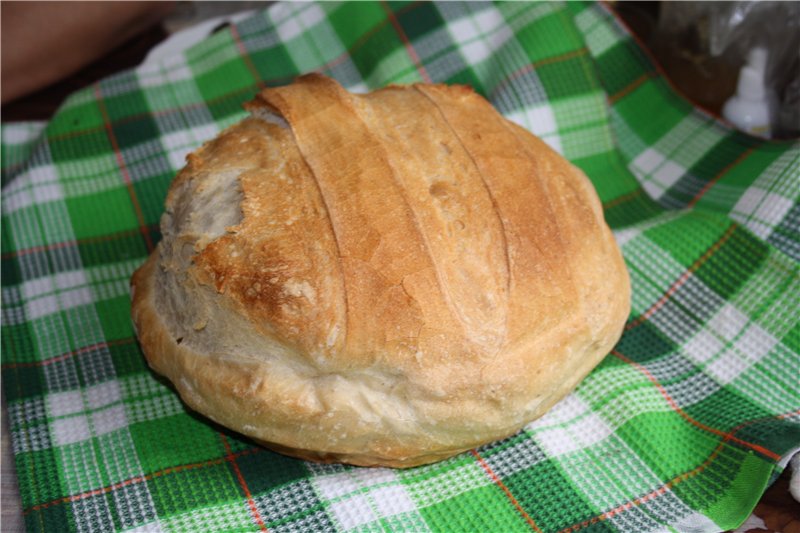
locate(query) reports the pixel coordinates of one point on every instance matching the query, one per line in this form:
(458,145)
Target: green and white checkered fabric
(680,428)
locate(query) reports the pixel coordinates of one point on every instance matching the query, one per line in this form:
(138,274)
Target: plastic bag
(709,42)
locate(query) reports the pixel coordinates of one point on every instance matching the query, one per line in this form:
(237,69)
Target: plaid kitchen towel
(680,428)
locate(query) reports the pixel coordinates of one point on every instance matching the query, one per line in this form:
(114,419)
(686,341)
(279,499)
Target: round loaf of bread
(381,279)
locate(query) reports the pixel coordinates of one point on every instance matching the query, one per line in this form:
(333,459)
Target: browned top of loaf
(413,223)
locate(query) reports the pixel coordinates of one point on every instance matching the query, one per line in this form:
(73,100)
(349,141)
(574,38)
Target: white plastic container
(752,109)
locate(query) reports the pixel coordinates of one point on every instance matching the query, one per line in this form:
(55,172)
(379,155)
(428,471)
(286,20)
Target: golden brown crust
(385,279)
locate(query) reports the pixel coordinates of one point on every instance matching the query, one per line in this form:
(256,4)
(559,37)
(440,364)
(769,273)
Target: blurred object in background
(753,108)
(44,42)
(703,46)
(43,61)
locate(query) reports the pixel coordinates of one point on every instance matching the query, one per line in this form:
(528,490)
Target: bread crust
(382,279)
